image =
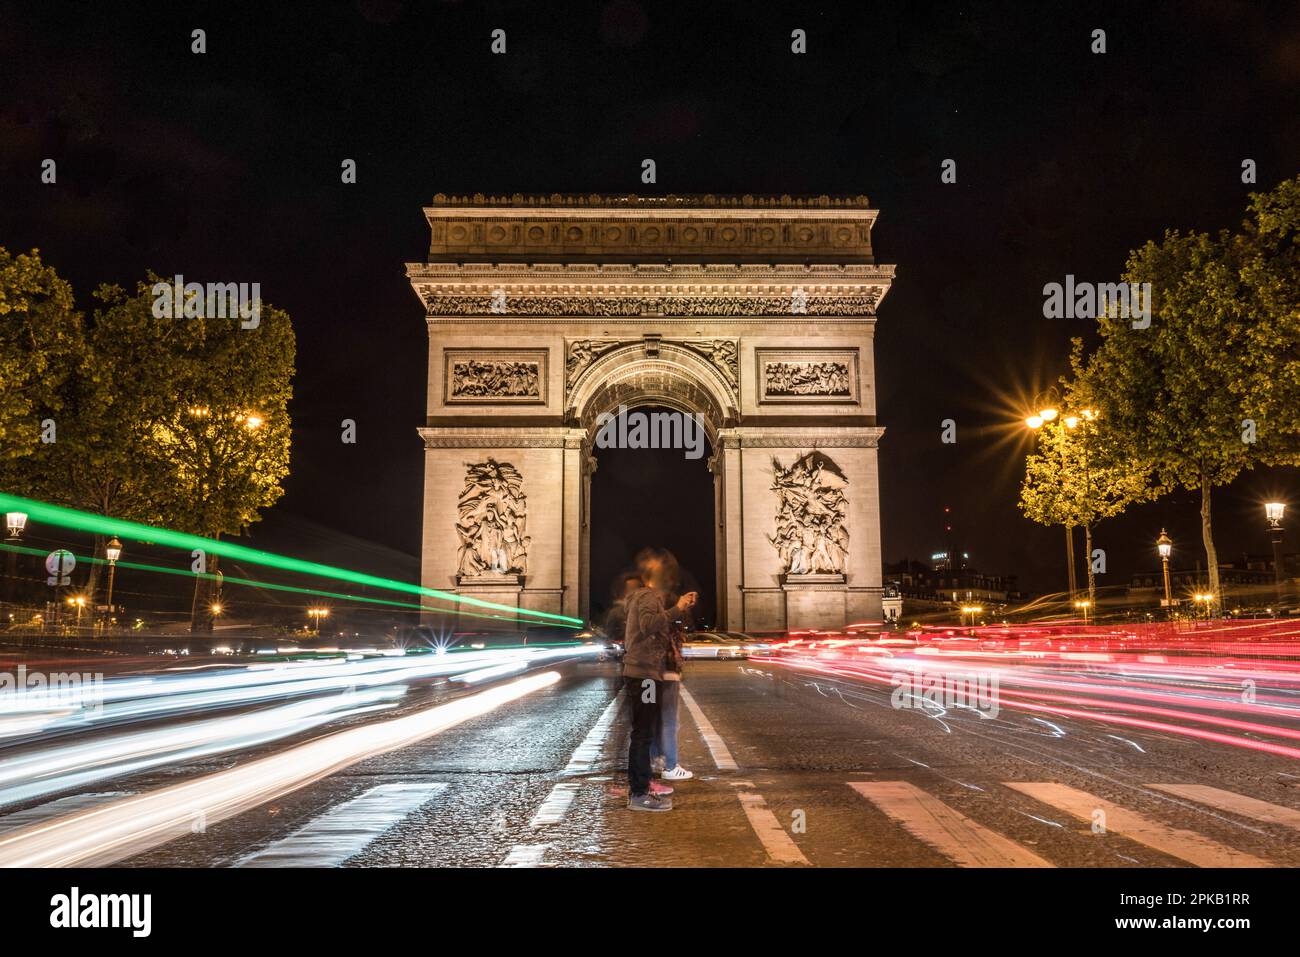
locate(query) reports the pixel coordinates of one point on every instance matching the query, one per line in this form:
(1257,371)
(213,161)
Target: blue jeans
(664,743)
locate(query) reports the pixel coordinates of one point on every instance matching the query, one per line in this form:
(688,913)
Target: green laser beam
(102,525)
(245,582)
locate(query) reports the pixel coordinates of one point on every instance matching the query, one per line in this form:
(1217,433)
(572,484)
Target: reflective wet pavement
(826,773)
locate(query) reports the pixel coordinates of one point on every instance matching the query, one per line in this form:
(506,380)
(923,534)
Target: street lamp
(1085,605)
(1273,512)
(16,521)
(1206,599)
(216,609)
(112,551)
(318,614)
(1165,545)
(78,602)
(1047,411)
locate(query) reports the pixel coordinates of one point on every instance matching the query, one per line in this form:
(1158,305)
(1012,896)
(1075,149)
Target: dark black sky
(227,165)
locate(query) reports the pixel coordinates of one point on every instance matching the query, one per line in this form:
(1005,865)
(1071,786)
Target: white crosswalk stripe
(1185,845)
(344,831)
(1234,803)
(948,831)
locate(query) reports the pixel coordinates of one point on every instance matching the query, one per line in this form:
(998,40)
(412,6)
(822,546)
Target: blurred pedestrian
(646,655)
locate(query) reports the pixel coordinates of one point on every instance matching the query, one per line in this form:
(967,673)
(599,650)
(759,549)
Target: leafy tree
(1212,386)
(42,345)
(223,436)
(1075,478)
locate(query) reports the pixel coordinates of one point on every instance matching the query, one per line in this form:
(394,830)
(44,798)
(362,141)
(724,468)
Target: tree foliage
(42,346)
(1212,386)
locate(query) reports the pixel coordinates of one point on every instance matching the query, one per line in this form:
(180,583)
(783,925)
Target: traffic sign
(60,563)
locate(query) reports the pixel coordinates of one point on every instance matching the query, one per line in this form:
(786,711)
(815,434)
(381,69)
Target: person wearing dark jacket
(647,653)
(616,617)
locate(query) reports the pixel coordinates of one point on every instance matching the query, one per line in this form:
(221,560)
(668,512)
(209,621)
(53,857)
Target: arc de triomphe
(756,312)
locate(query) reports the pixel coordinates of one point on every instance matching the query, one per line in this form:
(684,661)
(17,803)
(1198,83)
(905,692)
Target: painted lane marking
(556,805)
(779,846)
(712,740)
(951,833)
(525,855)
(1185,845)
(1234,803)
(562,795)
(594,743)
(344,831)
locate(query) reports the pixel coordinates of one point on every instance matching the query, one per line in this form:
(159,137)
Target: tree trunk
(92,583)
(1207,536)
(1069,560)
(1092,577)
(201,616)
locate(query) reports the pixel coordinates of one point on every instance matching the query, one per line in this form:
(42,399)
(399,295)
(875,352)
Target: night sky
(226,166)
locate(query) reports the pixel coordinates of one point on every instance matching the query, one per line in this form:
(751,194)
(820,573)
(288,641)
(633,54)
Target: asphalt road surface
(794,768)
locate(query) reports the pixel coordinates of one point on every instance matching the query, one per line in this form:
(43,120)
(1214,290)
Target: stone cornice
(503,437)
(812,437)
(637,290)
(632,229)
(623,273)
(637,205)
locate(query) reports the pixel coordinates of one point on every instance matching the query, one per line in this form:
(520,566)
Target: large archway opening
(653,497)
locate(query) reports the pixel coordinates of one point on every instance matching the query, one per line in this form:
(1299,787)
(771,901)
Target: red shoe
(659,790)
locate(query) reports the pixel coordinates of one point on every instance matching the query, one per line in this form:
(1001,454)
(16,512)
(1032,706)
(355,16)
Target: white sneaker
(678,773)
(657,765)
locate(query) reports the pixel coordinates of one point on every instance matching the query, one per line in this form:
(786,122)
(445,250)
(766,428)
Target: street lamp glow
(215,608)
(1071,421)
(1273,511)
(1164,544)
(113,550)
(253,421)
(16,521)
(1048,414)
(1034,422)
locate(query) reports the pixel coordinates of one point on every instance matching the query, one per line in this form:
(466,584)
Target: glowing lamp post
(16,521)
(1165,546)
(1084,606)
(317,614)
(1048,412)
(78,602)
(1273,512)
(112,552)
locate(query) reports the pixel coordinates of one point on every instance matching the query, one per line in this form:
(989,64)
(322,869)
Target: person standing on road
(663,749)
(646,654)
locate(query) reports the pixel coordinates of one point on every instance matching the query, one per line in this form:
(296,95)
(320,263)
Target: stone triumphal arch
(758,313)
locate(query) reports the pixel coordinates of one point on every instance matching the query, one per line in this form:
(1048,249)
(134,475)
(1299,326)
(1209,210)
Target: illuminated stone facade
(758,313)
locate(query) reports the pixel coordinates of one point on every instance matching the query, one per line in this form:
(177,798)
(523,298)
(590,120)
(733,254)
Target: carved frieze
(811,537)
(615,306)
(722,354)
(495,376)
(581,354)
(493,521)
(807,375)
